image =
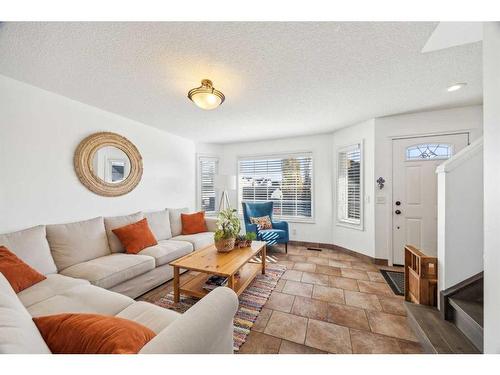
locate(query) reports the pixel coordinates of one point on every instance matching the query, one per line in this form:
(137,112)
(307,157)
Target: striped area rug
(251,302)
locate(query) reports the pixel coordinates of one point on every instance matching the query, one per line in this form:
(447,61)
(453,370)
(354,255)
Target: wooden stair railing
(420,277)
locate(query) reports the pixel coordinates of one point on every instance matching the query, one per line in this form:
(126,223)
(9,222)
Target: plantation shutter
(285,180)
(349,185)
(207,171)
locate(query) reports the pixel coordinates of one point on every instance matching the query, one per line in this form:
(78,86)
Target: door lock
(397,212)
(398,203)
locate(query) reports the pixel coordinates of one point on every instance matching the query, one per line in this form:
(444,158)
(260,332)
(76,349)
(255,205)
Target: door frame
(391,191)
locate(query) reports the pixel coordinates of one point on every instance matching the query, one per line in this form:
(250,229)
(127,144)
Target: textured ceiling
(280,79)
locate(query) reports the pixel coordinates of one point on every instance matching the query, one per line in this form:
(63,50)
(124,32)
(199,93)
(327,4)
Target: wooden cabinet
(420,277)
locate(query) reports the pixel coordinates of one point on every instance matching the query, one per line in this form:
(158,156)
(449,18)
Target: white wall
(491,78)
(362,241)
(460,216)
(466,119)
(377,135)
(39,132)
(211,149)
(321,147)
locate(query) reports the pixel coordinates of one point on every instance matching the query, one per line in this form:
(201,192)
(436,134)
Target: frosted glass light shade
(206,96)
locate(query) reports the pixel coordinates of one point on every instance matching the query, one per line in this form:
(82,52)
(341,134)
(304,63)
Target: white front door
(414,206)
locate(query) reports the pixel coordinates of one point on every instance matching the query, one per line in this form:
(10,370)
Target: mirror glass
(111,164)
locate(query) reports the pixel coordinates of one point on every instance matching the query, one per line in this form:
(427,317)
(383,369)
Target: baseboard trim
(366,258)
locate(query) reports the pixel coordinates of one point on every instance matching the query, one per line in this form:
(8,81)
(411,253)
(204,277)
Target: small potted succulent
(245,240)
(228,228)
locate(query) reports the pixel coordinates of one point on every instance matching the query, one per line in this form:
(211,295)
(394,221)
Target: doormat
(396,281)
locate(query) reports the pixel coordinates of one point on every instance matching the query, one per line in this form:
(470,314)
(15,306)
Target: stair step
(474,309)
(435,334)
(468,317)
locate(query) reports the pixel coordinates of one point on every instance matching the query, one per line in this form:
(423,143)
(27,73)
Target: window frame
(346,222)
(199,158)
(282,155)
(449,145)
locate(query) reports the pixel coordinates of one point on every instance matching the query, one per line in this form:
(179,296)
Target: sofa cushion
(116,222)
(193,223)
(154,317)
(136,236)
(82,299)
(211,223)
(199,240)
(32,247)
(92,334)
(175,219)
(168,250)
(53,285)
(77,242)
(159,222)
(112,269)
(19,274)
(18,333)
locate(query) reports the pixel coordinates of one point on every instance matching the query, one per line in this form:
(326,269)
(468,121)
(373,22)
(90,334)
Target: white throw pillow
(32,247)
(116,222)
(159,222)
(77,242)
(175,219)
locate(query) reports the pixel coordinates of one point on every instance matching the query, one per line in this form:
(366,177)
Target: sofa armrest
(283,225)
(211,223)
(207,327)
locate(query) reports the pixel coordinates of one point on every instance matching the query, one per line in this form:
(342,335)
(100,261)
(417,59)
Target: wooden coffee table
(209,262)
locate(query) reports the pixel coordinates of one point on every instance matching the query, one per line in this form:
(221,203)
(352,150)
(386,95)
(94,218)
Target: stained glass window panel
(429,151)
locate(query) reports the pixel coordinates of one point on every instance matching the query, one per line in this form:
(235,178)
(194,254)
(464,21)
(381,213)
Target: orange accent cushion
(135,237)
(92,334)
(18,274)
(194,223)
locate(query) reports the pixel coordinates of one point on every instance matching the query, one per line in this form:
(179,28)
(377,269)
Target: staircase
(458,327)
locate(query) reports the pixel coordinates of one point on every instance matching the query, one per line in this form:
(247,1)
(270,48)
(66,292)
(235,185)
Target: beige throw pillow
(159,222)
(77,242)
(32,247)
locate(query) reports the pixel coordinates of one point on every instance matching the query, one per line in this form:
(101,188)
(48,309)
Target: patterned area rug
(251,302)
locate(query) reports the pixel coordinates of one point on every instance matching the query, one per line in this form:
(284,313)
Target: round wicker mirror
(108,164)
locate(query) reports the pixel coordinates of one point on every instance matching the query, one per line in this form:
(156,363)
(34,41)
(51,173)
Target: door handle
(397,212)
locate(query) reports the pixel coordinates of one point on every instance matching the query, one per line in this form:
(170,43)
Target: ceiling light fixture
(456,86)
(206,96)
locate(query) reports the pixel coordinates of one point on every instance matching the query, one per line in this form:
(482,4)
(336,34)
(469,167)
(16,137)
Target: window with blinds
(349,185)
(286,180)
(207,170)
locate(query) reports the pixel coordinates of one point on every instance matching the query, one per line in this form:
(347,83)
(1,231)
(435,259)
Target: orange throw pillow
(18,274)
(92,334)
(194,223)
(135,237)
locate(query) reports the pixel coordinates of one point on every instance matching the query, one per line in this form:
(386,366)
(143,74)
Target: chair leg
(286,247)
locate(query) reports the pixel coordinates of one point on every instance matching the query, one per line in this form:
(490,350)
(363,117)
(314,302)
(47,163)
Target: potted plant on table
(245,240)
(228,227)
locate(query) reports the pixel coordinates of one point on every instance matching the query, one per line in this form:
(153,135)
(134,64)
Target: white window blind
(286,180)
(349,185)
(207,167)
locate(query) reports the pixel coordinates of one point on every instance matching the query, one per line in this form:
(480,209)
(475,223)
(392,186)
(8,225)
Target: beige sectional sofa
(90,250)
(88,272)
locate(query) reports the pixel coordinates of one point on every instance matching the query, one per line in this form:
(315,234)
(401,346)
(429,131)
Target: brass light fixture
(206,96)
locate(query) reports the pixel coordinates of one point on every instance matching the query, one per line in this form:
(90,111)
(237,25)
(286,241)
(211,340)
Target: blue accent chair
(279,233)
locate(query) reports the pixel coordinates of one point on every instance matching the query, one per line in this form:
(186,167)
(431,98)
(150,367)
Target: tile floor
(326,302)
